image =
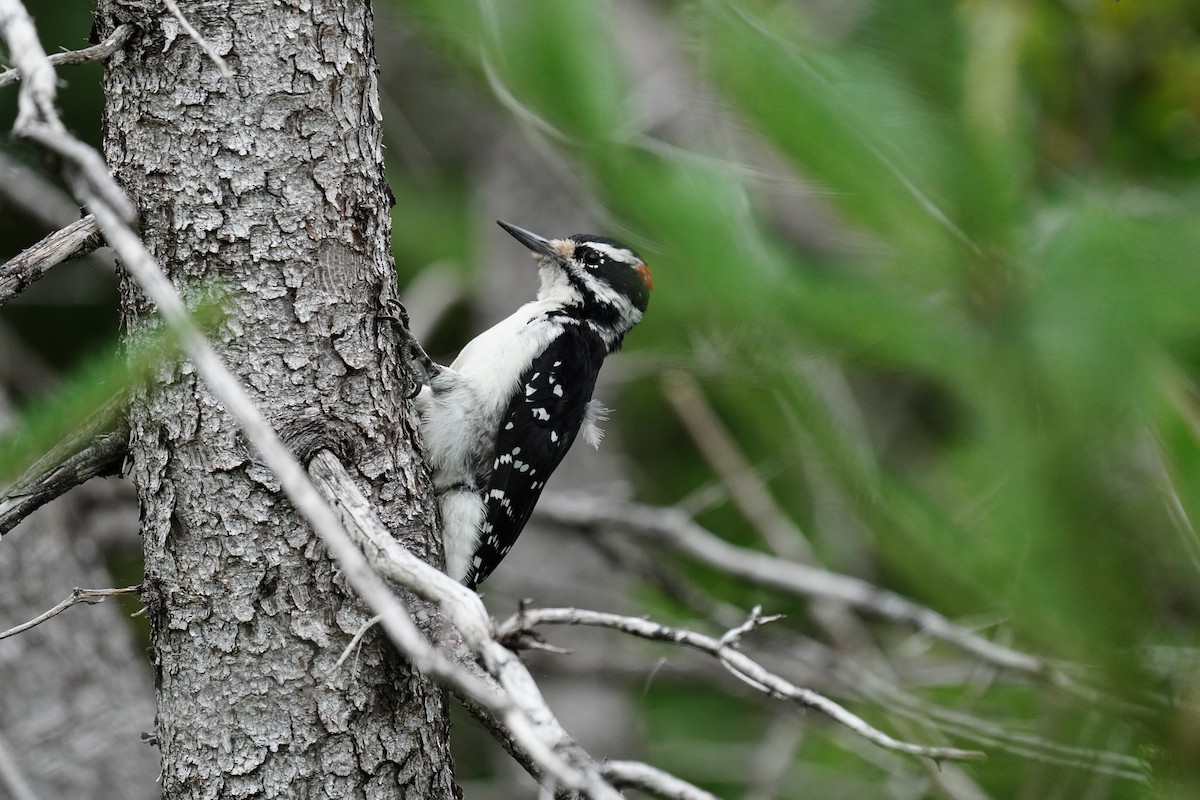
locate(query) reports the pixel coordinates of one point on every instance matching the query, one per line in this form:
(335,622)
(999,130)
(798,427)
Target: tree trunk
(268,188)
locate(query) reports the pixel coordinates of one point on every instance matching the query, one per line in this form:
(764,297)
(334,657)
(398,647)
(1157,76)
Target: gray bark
(269,188)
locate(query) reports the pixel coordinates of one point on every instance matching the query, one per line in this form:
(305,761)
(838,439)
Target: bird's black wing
(535,433)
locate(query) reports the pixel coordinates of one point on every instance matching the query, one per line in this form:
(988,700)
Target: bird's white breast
(464,403)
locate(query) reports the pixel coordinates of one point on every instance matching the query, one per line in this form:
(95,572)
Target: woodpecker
(497,422)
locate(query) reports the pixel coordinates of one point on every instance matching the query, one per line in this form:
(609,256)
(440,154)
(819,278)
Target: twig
(208,49)
(753,622)
(18,273)
(97,447)
(115,41)
(77,596)
(354,642)
(637,775)
(901,703)
(737,663)
(996,737)
(755,501)
(677,530)
(431,661)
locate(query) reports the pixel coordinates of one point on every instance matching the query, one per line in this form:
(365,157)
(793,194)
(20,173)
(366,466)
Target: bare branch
(18,273)
(898,703)
(208,49)
(99,52)
(994,736)
(676,529)
(426,657)
(95,448)
(354,642)
(463,608)
(636,775)
(77,596)
(737,663)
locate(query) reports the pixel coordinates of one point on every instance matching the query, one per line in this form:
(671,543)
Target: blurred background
(926,313)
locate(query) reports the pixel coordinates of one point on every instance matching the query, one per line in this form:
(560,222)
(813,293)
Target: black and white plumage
(497,421)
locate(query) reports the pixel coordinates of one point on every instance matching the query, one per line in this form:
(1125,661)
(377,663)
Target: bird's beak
(536,243)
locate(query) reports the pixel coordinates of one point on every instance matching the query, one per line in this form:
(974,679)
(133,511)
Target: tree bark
(268,188)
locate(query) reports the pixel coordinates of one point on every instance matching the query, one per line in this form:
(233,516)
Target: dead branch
(87,55)
(463,608)
(38,120)
(18,273)
(674,528)
(97,447)
(738,664)
(636,775)
(77,596)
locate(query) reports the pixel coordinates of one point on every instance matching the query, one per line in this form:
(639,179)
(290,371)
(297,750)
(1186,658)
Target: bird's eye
(591,258)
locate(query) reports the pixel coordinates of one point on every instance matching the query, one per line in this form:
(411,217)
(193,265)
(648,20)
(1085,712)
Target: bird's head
(605,282)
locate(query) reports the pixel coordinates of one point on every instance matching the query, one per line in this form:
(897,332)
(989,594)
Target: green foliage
(993,371)
(91,397)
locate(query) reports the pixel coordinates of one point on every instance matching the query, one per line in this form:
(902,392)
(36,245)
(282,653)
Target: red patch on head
(644,271)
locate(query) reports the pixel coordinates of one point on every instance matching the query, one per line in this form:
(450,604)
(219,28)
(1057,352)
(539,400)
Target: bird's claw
(395,312)
(421,366)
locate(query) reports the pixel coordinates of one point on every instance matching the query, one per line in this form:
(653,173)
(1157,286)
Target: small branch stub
(77,596)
